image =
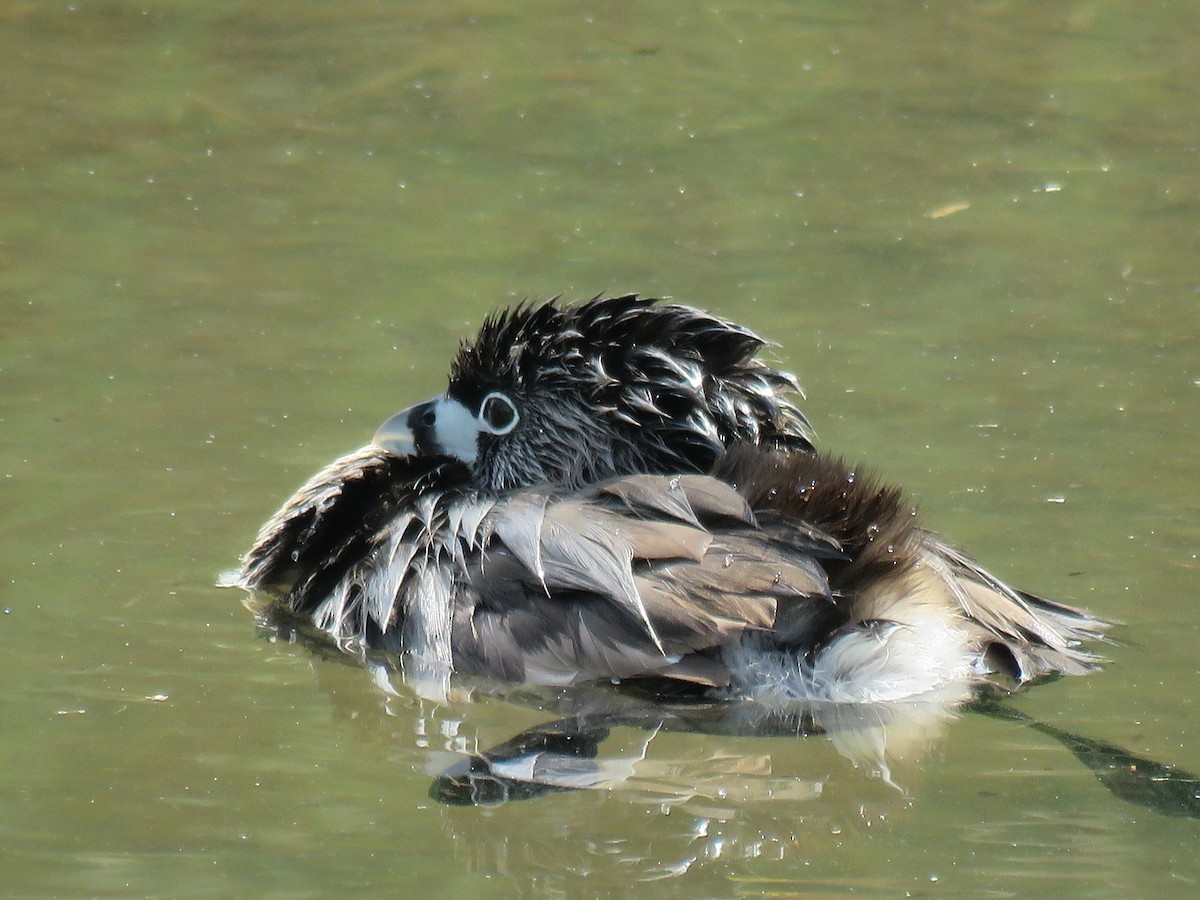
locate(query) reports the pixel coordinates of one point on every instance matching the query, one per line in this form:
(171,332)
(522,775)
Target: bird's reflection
(732,779)
(607,743)
(633,739)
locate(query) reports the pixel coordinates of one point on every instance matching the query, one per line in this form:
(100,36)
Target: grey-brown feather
(882,540)
(647,576)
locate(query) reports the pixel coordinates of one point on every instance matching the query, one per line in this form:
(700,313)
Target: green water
(234,237)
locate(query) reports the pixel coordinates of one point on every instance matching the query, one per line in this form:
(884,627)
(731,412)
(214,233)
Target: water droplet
(728,560)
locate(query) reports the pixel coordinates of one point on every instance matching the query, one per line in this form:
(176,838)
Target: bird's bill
(441,426)
(396,434)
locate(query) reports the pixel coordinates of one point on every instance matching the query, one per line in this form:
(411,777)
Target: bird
(623,490)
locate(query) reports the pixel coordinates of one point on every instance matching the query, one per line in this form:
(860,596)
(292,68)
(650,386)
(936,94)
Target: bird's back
(780,574)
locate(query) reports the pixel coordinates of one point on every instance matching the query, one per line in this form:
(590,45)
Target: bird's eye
(498,414)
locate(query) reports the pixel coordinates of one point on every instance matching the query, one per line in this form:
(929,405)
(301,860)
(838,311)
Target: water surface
(234,237)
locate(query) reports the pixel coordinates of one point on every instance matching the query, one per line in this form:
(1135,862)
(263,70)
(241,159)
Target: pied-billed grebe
(620,489)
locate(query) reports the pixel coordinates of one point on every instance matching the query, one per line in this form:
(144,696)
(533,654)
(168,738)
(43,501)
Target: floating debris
(948,210)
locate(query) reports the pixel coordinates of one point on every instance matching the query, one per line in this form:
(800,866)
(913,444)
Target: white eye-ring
(498,414)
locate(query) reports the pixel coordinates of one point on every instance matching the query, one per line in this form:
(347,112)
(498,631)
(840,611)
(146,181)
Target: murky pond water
(234,237)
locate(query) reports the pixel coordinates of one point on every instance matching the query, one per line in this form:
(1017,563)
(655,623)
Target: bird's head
(573,394)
